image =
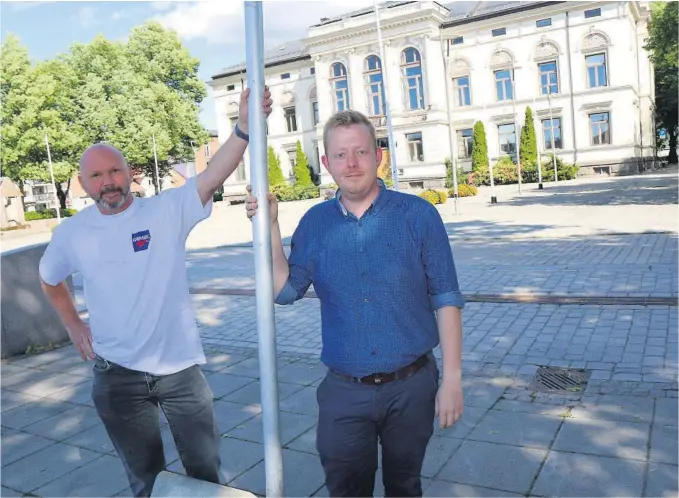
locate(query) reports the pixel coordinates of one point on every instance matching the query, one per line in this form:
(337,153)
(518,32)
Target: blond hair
(347,118)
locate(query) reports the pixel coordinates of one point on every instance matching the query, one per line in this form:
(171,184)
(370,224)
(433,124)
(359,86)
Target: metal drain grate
(560,380)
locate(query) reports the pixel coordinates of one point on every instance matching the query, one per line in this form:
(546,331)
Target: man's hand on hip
(81,335)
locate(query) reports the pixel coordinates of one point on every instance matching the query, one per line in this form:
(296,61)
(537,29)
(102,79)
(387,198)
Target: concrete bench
(169,484)
(28,321)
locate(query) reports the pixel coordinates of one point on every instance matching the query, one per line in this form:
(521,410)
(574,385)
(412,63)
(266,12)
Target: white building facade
(582,63)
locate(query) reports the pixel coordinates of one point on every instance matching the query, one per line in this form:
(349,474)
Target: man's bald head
(106,177)
(101,152)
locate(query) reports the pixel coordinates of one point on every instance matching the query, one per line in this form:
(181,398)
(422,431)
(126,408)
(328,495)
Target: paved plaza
(552,278)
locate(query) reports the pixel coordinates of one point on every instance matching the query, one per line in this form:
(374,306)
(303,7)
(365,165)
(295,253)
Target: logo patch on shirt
(141,240)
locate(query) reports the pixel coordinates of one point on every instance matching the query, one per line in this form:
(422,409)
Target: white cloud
(86,17)
(222,22)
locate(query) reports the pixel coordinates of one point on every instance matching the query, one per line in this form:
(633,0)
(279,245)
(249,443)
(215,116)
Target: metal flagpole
(54,185)
(155,158)
(387,110)
(254,67)
(451,131)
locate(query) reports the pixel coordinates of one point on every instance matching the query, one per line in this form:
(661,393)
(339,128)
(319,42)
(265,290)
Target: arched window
(340,85)
(374,84)
(411,71)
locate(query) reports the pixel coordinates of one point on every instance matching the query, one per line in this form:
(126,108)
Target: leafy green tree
(528,150)
(662,45)
(479,148)
(302,175)
(275,173)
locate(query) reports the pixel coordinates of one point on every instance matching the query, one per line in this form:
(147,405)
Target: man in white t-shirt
(142,333)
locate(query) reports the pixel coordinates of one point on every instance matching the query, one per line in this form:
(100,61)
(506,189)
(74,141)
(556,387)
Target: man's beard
(124,194)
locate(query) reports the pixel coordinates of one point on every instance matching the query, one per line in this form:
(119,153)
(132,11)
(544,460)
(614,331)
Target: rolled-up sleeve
(299,280)
(442,283)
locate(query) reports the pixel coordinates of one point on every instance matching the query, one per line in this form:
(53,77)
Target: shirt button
(373,352)
(366,300)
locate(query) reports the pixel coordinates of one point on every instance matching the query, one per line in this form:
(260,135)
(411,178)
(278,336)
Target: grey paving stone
(251,393)
(439,451)
(44,466)
(528,407)
(574,474)
(218,361)
(662,481)
(621,408)
(303,475)
(95,439)
(520,429)
(65,424)
(30,413)
(80,394)
(664,444)
(603,437)
(292,425)
(16,445)
(104,476)
(9,492)
(464,425)
(44,383)
(482,396)
(666,412)
(236,457)
(303,401)
(230,415)
(444,489)
(11,399)
(245,368)
(508,468)
(305,442)
(223,384)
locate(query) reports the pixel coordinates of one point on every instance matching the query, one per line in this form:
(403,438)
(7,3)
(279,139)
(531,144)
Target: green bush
(431,196)
(275,172)
(443,196)
(285,192)
(564,170)
(464,190)
(48,214)
(505,171)
(301,169)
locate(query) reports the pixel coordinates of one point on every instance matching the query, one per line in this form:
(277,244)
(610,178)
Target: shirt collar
(374,207)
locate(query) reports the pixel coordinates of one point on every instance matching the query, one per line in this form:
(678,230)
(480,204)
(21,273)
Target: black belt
(383,378)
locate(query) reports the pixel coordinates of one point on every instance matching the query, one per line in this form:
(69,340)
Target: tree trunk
(61,194)
(672,157)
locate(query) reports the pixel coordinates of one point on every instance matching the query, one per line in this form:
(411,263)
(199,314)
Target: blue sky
(212,30)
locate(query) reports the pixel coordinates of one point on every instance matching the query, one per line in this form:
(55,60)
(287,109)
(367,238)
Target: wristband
(240,133)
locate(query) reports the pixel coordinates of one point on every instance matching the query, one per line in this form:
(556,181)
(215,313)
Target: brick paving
(616,437)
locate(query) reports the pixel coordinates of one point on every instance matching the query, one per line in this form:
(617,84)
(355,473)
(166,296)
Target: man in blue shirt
(381,264)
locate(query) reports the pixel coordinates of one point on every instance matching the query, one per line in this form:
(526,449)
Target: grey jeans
(128,403)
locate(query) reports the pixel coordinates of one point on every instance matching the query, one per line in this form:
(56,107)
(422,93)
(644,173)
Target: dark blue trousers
(354,417)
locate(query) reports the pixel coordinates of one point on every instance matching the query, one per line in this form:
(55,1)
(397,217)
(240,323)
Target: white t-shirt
(134,278)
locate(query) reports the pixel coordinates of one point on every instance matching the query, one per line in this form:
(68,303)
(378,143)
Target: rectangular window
(507,136)
(499,31)
(290,119)
(415,149)
(592,13)
(230,87)
(549,82)
(458,40)
(600,128)
(207,151)
(464,143)
(312,70)
(547,130)
(596,70)
(543,23)
(285,76)
(240,172)
(292,157)
(503,85)
(314,106)
(463,96)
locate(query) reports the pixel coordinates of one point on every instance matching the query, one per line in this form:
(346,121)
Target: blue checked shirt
(379,278)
